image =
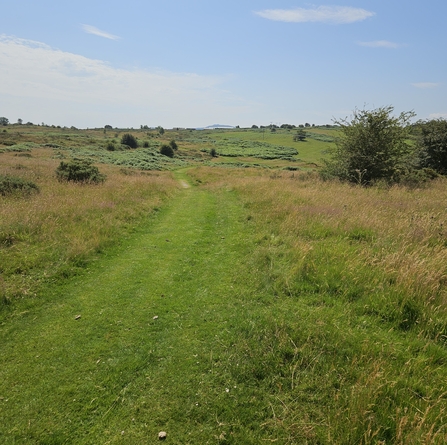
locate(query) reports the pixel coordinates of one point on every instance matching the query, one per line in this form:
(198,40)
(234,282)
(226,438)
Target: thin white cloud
(87,90)
(381,44)
(438,116)
(425,85)
(338,15)
(97,32)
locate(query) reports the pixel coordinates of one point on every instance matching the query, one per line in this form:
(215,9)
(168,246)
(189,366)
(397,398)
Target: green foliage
(173,145)
(10,185)
(161,130)
(373,146)
(110,146)
(129,140)
(300,136)
(4,121)
(166,150)
(79,170)
(213,152)
(433,145)
(263,150)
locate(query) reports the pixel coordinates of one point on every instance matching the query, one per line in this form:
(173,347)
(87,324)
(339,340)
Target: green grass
(193,326)
(246,143)
(255,306)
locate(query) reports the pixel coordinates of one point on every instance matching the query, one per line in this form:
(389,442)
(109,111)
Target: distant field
(241,147)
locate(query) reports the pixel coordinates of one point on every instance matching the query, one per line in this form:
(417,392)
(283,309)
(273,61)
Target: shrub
(213,153)
(129,140)
(79,171)
(173,145)
(110,146)
(14,185)
(146,144)
(372,147)
(167,150)
(433,145)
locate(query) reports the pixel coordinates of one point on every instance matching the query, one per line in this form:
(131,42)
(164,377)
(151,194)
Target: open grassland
(264,144)
(54,232)
(238,147)
(360,281)
(258,305)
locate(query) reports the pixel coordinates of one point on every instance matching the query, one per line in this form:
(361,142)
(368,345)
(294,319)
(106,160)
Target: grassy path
(149,351)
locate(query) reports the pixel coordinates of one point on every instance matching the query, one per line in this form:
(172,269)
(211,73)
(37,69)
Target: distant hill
(210,127)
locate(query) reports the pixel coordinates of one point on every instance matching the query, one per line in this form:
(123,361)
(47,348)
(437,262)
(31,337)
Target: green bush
(173,145)
(14,185)
(372,147)
(167,150)
(79,171)
(129,140)
(433,145)
(110,146)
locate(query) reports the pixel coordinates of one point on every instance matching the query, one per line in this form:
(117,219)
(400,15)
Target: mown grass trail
(119,374)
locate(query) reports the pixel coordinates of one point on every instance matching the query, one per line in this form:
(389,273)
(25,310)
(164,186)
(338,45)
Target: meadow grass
(360,315)
(254,306)
(55,232)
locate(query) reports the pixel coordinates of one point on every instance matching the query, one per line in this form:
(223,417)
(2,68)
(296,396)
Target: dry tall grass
(382,253)
(60,227)
(396,236)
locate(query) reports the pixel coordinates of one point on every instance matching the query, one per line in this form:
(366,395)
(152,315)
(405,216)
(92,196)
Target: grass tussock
(56,231)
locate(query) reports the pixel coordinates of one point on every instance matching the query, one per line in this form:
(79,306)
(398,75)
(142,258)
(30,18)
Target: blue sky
(192,63)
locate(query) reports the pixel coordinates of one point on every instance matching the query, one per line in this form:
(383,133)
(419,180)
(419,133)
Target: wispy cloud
(338,15)
(87,90)
(381,44)
(425,85)
(97,32)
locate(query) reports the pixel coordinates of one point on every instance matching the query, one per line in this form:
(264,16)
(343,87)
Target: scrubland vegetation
(265,303)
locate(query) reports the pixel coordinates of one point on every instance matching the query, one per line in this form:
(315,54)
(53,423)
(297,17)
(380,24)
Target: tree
(20,121)
(433,145)
(129,140)
(161,130)
(173,145)
(4,121)
(300,136)
(373,146)
(167,150)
